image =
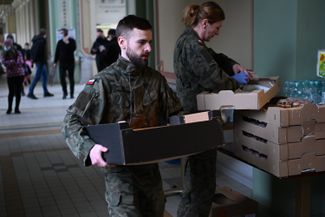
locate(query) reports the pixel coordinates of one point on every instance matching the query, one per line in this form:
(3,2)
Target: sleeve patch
(91,82)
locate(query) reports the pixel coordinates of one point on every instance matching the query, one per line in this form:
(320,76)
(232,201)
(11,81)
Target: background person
(112,50)
(13,61)
(128,90)
(198,68)
(27,52)
(64,55)
(98,48)
(39,57)
(27,66)
(18,48)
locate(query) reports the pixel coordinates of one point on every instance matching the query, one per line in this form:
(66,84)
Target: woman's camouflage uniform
(198,69)
(143,99)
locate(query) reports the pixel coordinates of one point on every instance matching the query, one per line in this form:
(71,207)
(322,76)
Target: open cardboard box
(252,97)
(147,145)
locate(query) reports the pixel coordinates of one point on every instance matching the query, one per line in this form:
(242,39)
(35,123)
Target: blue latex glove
(241,78)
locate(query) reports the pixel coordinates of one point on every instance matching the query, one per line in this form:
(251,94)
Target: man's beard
(135,59)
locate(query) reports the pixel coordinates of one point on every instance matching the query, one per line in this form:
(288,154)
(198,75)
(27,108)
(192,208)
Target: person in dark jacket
(27,52)
(39,57)
(64,55)
(27,64)
(98,48)
(112,51)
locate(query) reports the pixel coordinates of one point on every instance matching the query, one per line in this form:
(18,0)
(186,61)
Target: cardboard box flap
(114,131)
(306,164)
(309,144)
(309,163)
(304,113)
(193,117)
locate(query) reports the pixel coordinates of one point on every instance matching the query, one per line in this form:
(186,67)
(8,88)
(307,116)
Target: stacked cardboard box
(282,141)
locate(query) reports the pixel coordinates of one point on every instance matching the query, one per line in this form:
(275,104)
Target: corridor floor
(39,176)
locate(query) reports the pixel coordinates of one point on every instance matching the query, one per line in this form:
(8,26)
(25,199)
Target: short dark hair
(111,32)
(8,42)
(64,31)
(130,22)
(42,32)
(99,30)
(10,36)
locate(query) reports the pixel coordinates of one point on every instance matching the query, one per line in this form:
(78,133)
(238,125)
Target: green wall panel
(287,35)
(310,37)
(274,37)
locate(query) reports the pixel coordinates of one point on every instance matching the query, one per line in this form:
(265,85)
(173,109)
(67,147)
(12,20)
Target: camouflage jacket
(198,68)
(120,92)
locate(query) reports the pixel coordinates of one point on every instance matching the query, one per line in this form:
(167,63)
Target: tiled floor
(39,176)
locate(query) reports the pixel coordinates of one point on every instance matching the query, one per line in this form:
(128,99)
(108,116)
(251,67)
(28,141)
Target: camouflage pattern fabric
(199,69)
(141,97)
(199,185)
(132,189)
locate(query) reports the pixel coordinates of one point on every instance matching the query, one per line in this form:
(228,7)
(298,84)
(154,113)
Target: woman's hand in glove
(241,77)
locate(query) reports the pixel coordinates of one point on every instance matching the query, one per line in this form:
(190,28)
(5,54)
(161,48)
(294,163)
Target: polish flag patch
(91,82)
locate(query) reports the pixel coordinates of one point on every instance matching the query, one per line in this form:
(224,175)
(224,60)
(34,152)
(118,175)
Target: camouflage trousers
(199,185)
(134,191)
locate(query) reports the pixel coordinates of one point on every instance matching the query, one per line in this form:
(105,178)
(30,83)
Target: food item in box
(290,102)
(264,84)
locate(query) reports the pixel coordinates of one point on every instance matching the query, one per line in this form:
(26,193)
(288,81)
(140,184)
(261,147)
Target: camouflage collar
(128,67)
(194,34)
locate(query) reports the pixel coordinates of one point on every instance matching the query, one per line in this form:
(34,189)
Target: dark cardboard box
(140,146)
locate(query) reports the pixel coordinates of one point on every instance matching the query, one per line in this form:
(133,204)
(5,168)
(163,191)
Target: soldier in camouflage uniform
(198,68)
(127,90)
